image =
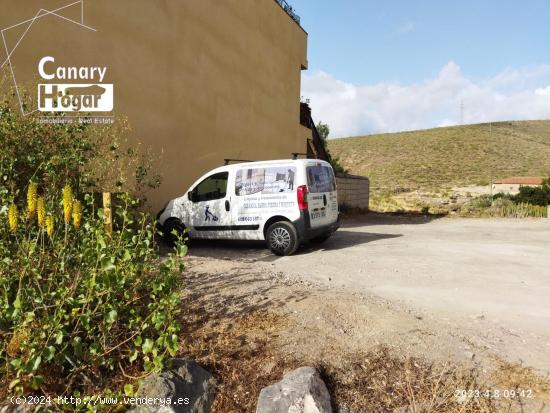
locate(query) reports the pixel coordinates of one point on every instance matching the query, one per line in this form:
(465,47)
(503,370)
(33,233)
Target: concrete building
(198,80)
(512,185)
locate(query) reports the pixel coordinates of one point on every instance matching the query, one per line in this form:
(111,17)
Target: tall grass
(524,210)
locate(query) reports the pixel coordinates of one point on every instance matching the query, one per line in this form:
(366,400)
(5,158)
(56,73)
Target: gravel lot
(485,280)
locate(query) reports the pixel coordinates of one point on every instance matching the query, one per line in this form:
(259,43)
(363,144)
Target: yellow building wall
(199,80)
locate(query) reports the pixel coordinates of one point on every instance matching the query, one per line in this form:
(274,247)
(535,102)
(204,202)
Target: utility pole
(491,165)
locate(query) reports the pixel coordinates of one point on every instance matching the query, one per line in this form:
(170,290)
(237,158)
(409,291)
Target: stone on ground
(185,380)
(300,391)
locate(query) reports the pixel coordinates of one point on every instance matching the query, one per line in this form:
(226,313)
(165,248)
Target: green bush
(534,195)
(502,202)
(529,202)
(502,205)
(530,195)
(77,301)
(482,201)
(482,205)
(80,307)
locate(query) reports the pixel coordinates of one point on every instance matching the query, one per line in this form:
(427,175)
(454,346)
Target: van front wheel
(173,229)
(282,238)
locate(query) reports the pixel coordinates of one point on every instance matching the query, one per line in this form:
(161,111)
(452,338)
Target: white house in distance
(512,185)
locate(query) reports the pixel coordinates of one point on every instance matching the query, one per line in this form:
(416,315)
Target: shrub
(80,302)
(502,202)
(501,195)
(534,195)
(502,205)
(482,201)
(530,195)
(80,306)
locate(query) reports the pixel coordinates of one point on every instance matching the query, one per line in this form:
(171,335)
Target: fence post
(107,213)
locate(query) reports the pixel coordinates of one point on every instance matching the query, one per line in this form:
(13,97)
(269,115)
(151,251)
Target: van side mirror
(190,196)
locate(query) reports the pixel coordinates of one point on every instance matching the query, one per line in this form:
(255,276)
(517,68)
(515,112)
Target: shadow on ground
(228,249)
(345,239)
(389,218)
(238,249)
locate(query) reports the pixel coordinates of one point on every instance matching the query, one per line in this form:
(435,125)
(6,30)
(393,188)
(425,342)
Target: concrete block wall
(353,191)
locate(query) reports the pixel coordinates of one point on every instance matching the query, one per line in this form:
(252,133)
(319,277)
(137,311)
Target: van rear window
(320,178)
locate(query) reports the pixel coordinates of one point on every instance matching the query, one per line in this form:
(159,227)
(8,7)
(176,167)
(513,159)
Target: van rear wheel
(282,238)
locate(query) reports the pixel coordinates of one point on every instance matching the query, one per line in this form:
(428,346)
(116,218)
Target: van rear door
(322,197)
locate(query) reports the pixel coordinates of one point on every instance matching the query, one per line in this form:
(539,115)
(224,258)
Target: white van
(284,202)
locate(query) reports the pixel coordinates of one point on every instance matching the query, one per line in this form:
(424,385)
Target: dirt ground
(462,295)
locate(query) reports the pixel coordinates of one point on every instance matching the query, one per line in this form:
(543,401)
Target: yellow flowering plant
(77,303)
(88,292)
(77,214)
(32,191)
(13,218)
(67,203)
(50,225)
(41,211)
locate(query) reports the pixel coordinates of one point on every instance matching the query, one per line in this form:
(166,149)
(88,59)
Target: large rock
(300,391)
(186,381)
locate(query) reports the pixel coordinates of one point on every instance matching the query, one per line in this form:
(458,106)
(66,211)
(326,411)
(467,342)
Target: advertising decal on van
(209,215)
(264,180)
(264,188)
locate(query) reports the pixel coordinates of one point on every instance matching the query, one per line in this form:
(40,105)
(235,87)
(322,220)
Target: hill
(434,161)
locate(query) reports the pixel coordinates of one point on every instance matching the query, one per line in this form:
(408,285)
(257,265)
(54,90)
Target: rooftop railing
(289,10)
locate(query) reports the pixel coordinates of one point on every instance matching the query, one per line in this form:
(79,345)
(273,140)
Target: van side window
(213,187)
(270,180)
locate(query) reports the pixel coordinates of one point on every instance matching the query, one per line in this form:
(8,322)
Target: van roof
(271,162)
(278,161)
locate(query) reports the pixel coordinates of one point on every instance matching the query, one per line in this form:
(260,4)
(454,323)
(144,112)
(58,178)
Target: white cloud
(407,27)
(519,78)
(543,91)
(388,107)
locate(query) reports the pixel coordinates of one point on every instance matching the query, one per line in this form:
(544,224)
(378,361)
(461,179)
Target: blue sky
(486,50)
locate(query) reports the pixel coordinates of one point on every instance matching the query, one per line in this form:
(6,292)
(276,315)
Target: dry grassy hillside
(434,161)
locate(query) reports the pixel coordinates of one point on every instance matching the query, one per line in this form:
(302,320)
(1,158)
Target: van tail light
(301,192)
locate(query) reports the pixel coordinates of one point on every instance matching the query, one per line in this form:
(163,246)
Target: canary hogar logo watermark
(64,90)
(73,97)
